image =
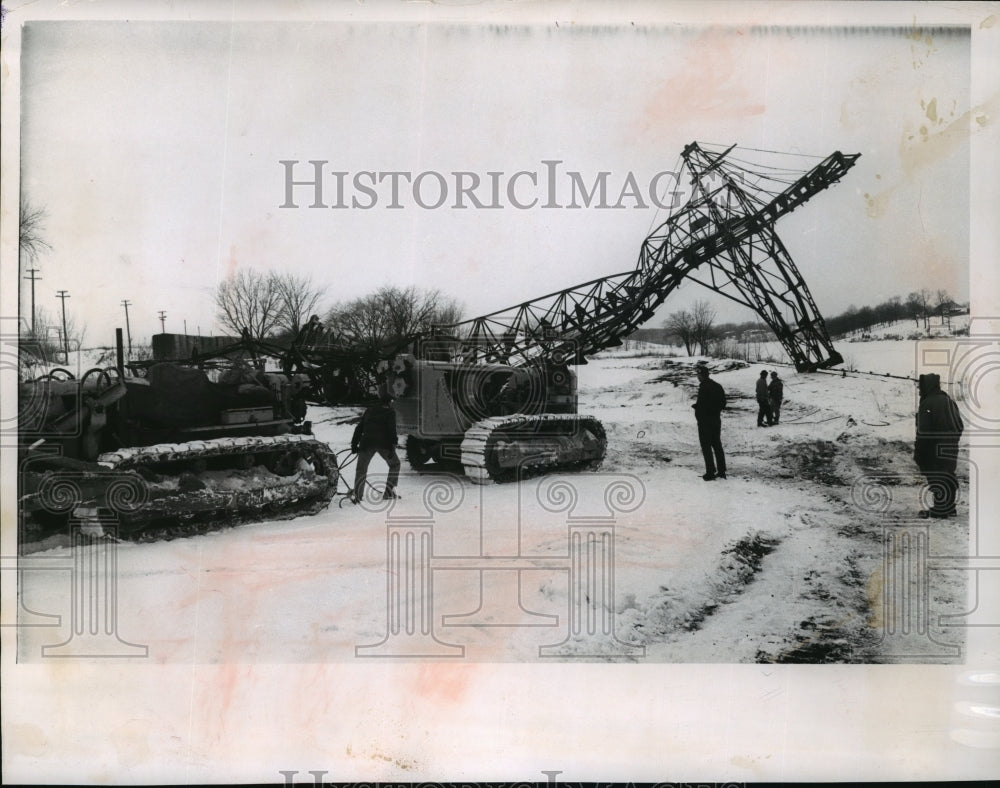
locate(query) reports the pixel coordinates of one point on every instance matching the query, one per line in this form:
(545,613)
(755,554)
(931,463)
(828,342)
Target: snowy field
(781,562)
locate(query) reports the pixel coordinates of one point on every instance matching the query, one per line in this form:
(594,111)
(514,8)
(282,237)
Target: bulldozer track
(156,513)
(479,446)
(131,457)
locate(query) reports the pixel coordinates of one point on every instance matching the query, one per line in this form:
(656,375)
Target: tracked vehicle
(494,420)
(170,451)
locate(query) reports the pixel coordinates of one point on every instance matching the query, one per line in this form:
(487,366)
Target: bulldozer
(168,450)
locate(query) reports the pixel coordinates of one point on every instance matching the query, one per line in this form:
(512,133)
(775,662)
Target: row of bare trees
(695,328)
(919,306)
(275,304)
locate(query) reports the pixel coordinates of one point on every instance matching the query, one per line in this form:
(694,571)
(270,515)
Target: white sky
(154,149)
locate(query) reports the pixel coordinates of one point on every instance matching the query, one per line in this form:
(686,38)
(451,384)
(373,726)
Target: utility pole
(163,325)
(63,295)
(128,329)
(185,327)
(32,278)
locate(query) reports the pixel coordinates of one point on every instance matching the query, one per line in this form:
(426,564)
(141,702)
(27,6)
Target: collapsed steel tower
(723,238)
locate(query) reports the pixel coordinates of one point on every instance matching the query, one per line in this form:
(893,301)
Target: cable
(341,466)
(842,373)
(766,166)
(678,167)
(782,152)
(759,150)
(799,421)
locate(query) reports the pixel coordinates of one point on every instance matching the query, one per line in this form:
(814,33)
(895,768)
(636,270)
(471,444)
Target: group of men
(938,430)
(769,396)
(708,407)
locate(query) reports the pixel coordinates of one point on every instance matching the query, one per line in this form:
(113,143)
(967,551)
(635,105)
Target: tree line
(695,328)
(265,304)
(273,305)
(919,306)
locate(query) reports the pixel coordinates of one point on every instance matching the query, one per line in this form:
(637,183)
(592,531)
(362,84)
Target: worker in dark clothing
(939,427)
(376,434)
(708,407)
(295,360)
(775,393)
(763,401)
(309,333)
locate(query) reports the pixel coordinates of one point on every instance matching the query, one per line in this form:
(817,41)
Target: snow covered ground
(640,560)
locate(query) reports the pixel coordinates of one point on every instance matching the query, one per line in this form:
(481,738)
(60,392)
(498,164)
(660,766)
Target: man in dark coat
(763,401)
(939,427)
(376,434)
(776,392)
(708,407)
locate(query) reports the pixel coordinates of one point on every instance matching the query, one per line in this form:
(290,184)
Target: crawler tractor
(497,421)
(169,451)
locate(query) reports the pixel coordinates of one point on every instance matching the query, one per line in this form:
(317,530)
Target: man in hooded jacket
(939,427)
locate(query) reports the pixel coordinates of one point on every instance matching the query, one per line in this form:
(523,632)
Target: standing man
(763,402)
(708,407)
(776,392)
(376,434)
(939,427)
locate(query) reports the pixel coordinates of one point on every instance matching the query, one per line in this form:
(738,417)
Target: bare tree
(912,307)
(251,300)
(702,320)
(299,299)
(919,304)
(359,323)
(391,314)
(448,311)
(680,326)
(48,337)
(30,242)
(943,305)
(410,311)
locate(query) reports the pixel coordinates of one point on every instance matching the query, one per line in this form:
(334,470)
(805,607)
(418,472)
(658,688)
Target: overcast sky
(154,148)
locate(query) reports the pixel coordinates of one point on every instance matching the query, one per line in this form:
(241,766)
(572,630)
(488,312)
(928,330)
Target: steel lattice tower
(723,238)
